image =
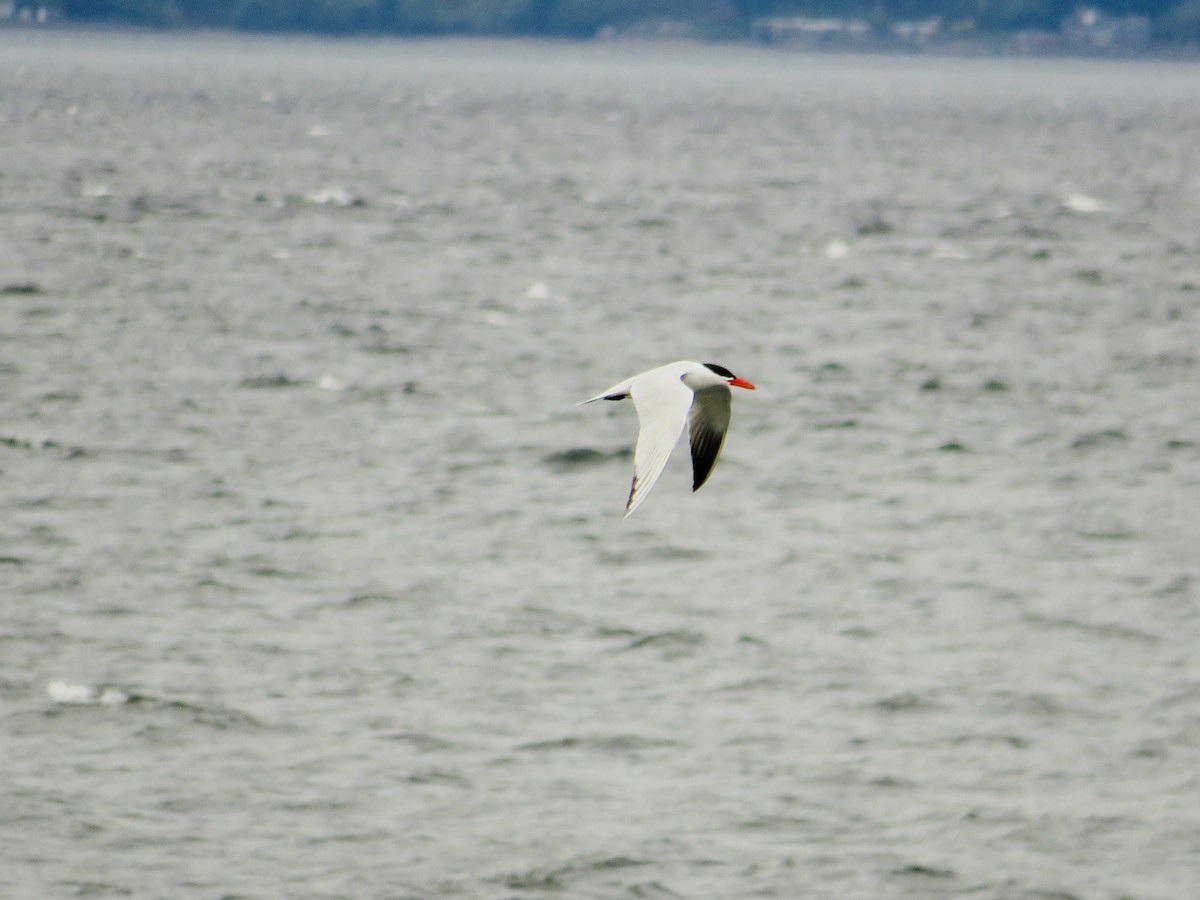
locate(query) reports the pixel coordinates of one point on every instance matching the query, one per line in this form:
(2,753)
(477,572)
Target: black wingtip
(706,447)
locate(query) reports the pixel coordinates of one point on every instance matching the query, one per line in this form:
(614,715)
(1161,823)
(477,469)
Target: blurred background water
(314,578)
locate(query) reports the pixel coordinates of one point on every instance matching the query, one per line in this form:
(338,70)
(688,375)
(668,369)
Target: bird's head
(730,379)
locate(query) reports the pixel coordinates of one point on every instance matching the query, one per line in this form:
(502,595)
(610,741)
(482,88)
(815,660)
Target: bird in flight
(667,398)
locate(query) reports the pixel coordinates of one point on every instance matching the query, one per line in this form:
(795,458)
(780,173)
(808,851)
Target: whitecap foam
(81,694)
(1083,203)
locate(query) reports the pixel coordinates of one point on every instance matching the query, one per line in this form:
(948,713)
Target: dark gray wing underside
(707,425)
(706,447)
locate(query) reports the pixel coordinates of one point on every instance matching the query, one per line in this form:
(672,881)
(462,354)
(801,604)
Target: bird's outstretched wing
(707,425)
(662,403)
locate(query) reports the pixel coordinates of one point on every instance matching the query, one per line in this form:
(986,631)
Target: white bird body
(668,398)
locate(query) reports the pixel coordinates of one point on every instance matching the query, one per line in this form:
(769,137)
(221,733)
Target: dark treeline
(1172,21)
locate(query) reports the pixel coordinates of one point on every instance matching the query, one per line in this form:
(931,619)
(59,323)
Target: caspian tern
(666,398)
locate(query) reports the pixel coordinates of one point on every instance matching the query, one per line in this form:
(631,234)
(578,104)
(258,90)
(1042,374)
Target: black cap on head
(720,370)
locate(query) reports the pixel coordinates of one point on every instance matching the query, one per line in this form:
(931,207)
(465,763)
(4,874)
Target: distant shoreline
(997,47)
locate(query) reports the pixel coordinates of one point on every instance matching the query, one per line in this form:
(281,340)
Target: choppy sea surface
(313,578)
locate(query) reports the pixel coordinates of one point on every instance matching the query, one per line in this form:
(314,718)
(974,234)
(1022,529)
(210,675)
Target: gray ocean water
(313,578)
